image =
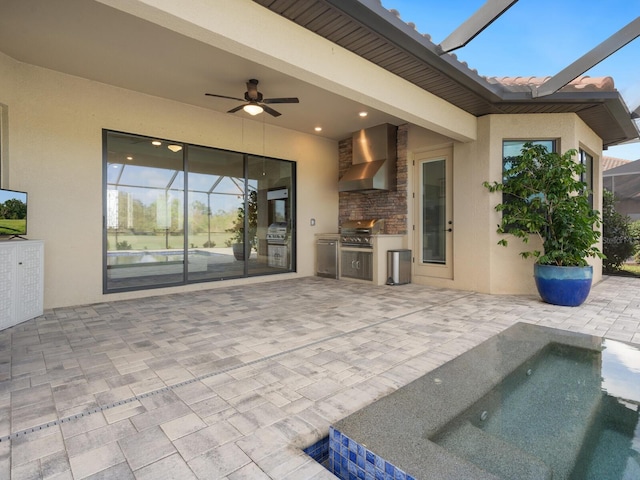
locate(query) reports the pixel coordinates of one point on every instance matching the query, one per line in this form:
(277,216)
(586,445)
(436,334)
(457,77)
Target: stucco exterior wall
(470,227)
(479,263)
(509,272)
(54,152)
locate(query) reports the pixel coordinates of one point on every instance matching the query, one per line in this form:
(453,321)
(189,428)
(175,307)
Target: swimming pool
(530,403)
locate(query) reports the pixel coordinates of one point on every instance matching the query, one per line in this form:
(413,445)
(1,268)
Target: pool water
(612,448)
(531,403)
(552,419)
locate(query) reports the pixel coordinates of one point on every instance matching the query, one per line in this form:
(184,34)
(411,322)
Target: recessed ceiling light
(363,114)
(318,129)
(156,143)
(174,148)
(129,158)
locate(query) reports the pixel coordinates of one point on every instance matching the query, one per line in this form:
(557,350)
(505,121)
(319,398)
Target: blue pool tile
(353,446)
(389,469)
(370,457)
(319,451)
(369,468)
(349,460)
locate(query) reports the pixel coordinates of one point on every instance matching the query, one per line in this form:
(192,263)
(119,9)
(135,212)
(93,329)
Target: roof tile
(611,162)
(582,83)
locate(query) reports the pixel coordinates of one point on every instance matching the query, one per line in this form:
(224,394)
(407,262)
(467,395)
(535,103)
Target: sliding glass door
(176,213)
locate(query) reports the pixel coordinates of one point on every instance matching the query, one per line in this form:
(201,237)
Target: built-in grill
(357,247)
(359,233)
(277,233)
(277,248)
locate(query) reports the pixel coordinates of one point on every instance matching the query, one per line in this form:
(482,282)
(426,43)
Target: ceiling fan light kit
(255,102)
(253,109)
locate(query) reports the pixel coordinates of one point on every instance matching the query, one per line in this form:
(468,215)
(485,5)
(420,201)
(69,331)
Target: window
(512,149)
(587,175)
(176,213)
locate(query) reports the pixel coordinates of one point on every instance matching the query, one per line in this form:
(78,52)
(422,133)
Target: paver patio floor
(231,383)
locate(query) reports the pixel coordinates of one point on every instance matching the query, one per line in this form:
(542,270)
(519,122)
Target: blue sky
(8,195)
(539,38)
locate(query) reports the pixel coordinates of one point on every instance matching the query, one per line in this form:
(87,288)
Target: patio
(231,383)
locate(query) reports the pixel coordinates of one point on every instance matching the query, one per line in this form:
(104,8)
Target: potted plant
(237,230)
(544,196)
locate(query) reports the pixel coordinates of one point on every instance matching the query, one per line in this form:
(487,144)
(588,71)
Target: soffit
(367,29)
(414,59)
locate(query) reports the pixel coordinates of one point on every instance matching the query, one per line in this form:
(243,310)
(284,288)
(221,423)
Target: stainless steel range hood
(374,161)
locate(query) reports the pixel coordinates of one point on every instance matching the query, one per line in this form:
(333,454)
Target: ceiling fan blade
(234,110)
(270,111)
(224,96)
(281,100)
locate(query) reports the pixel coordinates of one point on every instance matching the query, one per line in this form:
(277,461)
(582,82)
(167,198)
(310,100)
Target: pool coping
(403,438)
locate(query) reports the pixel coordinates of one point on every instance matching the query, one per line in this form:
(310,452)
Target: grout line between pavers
(53,423)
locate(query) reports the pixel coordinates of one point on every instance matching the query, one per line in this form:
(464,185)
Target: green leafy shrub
(237,230)
(618,242)
(542,196)
(123,245)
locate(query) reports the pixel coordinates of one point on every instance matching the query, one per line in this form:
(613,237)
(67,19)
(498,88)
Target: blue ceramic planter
(567,286)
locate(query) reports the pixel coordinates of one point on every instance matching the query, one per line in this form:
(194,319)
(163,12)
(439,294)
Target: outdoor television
(13,212)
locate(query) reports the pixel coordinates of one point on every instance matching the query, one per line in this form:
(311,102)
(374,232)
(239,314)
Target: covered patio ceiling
(129,51)
(89,39)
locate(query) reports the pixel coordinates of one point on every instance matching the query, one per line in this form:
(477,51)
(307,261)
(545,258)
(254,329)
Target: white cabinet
(21,281)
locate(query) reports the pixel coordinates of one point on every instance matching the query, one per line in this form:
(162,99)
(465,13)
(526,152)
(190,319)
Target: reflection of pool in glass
(127,264)
(129,258)
(530,403)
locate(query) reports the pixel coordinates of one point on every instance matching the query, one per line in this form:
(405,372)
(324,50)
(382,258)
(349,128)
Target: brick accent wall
(390,206)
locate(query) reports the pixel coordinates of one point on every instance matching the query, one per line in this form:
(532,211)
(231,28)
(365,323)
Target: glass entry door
(434,228)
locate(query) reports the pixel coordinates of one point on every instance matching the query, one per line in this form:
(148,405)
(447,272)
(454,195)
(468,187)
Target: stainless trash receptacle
(398,267)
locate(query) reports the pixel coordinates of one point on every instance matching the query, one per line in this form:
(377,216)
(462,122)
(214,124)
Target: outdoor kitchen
(372,210)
